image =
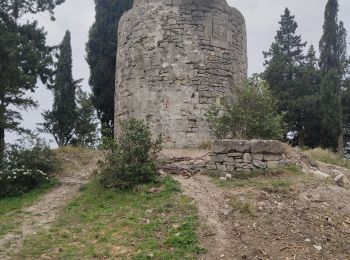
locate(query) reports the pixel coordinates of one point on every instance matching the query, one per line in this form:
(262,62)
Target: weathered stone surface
(237,156)
(273,157)
(342,181)
(218,157)
(221,168)
(259,164)
(258,156)
(211,166)
(227,146)
(272,164)
(267,146)
(247,157)
(230,168)
(175,59)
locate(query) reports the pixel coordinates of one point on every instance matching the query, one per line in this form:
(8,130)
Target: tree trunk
(2,143)
(341,144)
(301,139)
(60,143)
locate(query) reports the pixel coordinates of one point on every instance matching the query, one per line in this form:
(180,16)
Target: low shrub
(38,156)
(16,181)
(251,115)
(26,168)
(132,158)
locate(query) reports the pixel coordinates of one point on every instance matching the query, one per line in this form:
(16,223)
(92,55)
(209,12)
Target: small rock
(226,212)
(177,234)
(228,177)
(342,181)
(308,240)
(222,256)
(155,190)
(149,211)
(313,163)
(176,226)
(222,179)
(161,172)
(318,248)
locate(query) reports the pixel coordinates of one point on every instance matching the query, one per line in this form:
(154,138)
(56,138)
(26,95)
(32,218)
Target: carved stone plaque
(219,29)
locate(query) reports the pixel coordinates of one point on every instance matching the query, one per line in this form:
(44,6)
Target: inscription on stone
(219,29)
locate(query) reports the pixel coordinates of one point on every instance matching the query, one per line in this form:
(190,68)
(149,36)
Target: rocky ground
(78,167)
(285,215)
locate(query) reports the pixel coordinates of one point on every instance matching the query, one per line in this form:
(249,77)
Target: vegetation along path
(78,167)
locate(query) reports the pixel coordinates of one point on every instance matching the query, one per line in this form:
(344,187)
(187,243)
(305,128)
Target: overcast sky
(261,16)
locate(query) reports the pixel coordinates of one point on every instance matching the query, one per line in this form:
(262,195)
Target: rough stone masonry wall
(176,58)
(234,156)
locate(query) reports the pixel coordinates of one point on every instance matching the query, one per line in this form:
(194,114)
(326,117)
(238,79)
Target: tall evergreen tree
(24,57)
(284,71)
(61,121)
(309,100)
(101,56)
(333,63)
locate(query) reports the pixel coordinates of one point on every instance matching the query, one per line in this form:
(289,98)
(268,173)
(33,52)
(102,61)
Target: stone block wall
(234,156)
(175,59)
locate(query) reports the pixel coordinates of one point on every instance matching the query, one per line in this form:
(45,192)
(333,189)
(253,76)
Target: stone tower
(175,59)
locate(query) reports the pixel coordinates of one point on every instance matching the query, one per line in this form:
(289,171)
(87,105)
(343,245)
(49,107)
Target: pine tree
(284,71)
(61,121)
(333,63)
(101,56)
(24,58)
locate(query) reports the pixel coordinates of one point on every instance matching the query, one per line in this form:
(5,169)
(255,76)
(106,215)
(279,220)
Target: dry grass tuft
(328,156)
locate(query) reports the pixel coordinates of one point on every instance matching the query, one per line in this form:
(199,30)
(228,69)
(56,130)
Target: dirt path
(78,168)
(286,216)
(212,207)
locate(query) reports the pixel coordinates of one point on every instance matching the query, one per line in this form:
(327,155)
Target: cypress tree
(309,100)
(332,63)
(60,122)
(101,57)
(24,58)
(284,71)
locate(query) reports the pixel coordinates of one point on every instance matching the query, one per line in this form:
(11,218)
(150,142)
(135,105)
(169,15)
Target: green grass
(10,208)
(109,224)
(328,156)
(280,180)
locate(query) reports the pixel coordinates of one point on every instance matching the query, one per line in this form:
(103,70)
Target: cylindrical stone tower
(175,59)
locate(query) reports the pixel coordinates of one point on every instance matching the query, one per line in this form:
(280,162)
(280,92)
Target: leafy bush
(251,115)
(16,181)
(132,158)
(24,169)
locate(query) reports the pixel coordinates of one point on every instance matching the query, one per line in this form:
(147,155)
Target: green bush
(251,115)
(26,168)
(132,158)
